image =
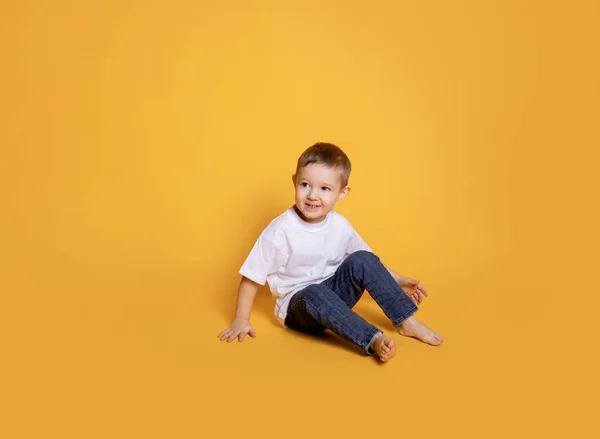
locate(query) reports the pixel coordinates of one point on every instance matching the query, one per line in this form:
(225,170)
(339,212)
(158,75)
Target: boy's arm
(411,287)
(241,323)
(246,294)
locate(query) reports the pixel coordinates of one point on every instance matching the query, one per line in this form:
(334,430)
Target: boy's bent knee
(362,255)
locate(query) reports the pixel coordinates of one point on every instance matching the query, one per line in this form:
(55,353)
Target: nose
(312,195)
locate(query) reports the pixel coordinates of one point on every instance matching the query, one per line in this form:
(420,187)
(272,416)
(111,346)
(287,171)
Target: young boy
(318,266)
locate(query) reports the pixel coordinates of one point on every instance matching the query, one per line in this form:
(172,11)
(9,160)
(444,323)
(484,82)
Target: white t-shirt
(291,254)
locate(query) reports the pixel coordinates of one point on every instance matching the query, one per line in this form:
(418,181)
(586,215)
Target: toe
(437,339)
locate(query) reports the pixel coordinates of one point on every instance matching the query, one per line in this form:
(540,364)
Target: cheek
(330,198)
(300,192)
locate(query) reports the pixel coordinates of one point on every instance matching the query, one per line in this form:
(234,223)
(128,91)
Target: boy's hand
(413,289)
(238,328)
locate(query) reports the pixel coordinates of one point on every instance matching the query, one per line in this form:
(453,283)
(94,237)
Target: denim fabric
(329,304)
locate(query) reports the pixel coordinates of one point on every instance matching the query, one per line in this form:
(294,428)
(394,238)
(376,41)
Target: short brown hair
(329,155)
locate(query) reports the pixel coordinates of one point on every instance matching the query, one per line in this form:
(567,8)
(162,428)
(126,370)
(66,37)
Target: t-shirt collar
(310,227)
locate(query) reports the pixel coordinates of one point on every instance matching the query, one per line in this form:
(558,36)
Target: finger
(224,334)
(422,289)
(241,337)
(252,332)
(232,337)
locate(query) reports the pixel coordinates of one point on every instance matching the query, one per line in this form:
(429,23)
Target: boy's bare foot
(383,346)
(411,327)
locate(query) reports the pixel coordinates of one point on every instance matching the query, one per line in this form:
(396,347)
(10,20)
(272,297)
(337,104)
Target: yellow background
(144,145)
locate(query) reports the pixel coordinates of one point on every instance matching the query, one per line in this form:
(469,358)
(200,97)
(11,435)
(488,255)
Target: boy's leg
(363,270)
(316,307)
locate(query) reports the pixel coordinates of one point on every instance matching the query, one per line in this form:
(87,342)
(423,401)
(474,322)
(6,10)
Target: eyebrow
(324,184)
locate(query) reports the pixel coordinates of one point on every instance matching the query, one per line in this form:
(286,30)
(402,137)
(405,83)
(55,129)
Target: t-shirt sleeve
(357,243)
(264,259)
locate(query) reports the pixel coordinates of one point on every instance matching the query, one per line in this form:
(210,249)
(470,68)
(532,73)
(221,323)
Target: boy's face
(318,188)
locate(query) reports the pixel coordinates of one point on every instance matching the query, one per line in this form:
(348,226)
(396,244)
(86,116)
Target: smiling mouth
(312,206)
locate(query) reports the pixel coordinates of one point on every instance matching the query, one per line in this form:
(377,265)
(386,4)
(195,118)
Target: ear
(344,193)
(294,179)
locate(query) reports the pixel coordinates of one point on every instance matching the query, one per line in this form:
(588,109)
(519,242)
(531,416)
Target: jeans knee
(362,256)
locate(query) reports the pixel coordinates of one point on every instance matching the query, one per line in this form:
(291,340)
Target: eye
(325,188)
(304,184)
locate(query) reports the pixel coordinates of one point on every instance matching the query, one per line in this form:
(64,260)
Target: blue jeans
(328,305)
